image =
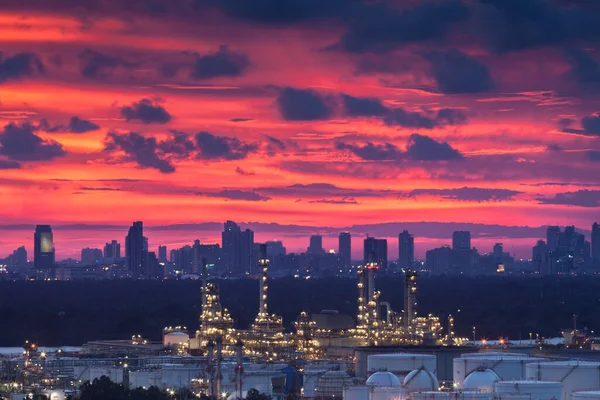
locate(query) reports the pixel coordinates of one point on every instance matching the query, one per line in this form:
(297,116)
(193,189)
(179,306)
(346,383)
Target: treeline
(71,313)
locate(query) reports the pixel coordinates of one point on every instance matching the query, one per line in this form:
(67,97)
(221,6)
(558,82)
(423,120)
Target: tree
(254,394)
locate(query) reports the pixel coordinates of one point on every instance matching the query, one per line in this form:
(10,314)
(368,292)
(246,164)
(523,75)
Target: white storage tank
(387,393)
(310,379)
(587,395)
(535,390)
(420,380)
(481,380)
(401,364)
(576,376)
(508,367)
(355,392)
(462,395)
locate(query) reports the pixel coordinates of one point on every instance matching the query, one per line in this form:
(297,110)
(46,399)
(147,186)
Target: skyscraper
(196,258)
(134,250)
(345,251)
(552,237)
(461,240)
(43,246)
(375,250)
(90,256)
(315,245)
(247,251)
(596,242)
(112,250)
(162,253)
(406,250)
(230,243)
(498,251)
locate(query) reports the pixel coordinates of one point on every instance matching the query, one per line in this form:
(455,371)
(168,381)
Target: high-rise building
(596,242)
(112,250)
(552,237)
(345,251)
(247,251)
(18,258)
(196,258)
(461,240)
(315,245)
(151,266)
(375,250)
(439,260)
(230,243)
(539,258)
(498,251)
(90,256)
(406,250)
(162,253)
(43,246)
(134,249)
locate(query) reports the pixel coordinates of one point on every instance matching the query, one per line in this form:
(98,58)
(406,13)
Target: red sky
(299,113)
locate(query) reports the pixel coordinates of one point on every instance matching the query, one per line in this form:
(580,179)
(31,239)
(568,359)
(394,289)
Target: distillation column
(410,299)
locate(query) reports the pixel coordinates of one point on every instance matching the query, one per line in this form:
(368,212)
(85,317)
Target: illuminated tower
(263,264)
(43,245)
(410,299)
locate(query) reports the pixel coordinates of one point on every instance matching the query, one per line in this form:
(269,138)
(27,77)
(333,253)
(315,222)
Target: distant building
(375,250)
(315,245)
(112,250)
(498,251)
(552,237)
(406,250)
(539,258)
(134,250)
(596,242)
(461,240)
(196,258)
(43,245)
(162,253)
(439,260)
(90,256)
(247,264)
(18,258)
(345,251)
(230,243)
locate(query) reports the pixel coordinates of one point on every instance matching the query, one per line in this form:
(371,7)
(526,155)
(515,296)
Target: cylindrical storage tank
(588,395)
(437,395)
(401,364)
(536,390)
(388,393)
(356,392)
(576,376)
(508,368)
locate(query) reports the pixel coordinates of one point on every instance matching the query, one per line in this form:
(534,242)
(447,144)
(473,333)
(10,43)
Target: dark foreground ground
(71,313)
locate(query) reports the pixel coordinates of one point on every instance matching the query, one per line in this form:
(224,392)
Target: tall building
(134,250)
(345,251)
(230,243)
(18,258)
(539,258)
(461,240)
(375,250)
(498,251)
(90,256)
(596,242)
(552,237)
(406,250)
(247,251)
(315,245)
(196,258)
(112,250)
(43,247)
(439,260)
(162,253)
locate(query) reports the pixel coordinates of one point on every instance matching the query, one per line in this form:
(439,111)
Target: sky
(363,115)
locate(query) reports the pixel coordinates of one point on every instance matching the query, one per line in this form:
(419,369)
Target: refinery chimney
(263,263)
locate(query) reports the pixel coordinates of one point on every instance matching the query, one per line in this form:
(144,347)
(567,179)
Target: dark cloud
(147,112)
(302,105)
(319,191)
(243,172)
(241,119)
(594,155)
(276,142)
(590,126)
(284,11)
(456,72)
(411,119)
(20,143)
(224,62)
(19,66)
(564,123)
(144,151)
(512,25)
(9,164)
(381,27)
(179,145)
(349,200)
(468,194)
(363,106)
(235,194)
(98,66)
(78,125)
(580,198)
(584,68)
(373,152)
(424,148)
(100,189)
(212,147)
(553,147)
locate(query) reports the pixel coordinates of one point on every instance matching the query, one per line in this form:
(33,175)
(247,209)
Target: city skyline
(126,115)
